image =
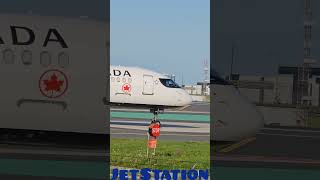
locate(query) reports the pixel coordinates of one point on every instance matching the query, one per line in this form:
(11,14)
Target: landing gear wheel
(155,112)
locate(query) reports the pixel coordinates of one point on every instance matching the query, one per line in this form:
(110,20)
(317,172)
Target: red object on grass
(154,129)
(152,142)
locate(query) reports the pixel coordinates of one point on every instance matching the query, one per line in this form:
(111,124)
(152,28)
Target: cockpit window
(169,83)
(215,78)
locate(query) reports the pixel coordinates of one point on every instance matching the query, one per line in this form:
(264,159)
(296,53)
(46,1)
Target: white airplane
(53,76)
(234,117)
(53,73)
(142,88)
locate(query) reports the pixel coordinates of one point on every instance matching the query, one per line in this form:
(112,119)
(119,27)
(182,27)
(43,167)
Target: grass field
(132,153)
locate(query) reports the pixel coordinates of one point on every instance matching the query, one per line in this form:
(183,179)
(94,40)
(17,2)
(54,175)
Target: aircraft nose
(236,118)
(184,98)
(188,99)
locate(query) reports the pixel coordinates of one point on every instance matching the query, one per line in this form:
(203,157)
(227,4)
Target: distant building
(200,89)
(282,88)
(310,91)
(199,92)
(264,90)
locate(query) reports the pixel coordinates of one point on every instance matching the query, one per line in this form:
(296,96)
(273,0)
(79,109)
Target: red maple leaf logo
(126,88)
(53,84)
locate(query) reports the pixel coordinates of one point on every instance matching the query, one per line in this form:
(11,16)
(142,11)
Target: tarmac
(191,123)
(70,160)
(274,153)
(27,161)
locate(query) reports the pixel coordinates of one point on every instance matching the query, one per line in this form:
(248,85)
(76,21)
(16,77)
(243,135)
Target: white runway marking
(141,125)
(167,134)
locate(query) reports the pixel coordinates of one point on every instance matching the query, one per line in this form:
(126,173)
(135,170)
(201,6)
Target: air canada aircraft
(142,88)
(234,117)
(53,73)
(53,78)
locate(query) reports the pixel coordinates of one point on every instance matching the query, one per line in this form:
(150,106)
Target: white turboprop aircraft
(234,117)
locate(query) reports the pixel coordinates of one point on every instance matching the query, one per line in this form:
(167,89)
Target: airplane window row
(118,79)
(8,57)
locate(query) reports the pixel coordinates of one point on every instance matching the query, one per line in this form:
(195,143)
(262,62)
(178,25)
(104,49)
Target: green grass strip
(132,153)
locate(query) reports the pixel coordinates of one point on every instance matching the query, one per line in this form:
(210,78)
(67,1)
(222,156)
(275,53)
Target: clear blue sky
(168,36)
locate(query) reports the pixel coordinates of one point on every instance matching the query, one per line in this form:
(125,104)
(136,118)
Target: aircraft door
(148,85)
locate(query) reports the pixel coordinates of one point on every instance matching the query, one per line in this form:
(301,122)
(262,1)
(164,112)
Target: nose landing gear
(155,112)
